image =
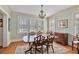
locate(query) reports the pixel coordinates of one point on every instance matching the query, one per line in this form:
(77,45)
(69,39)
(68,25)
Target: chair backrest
(39,33)
(38,40)
(76,38)
(50,38)
(31,33)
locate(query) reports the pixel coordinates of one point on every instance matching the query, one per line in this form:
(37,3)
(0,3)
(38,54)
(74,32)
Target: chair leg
(31,51)
(28,50)
(47,49)
(78,51)
(72,45)
(42,49)
(38,50)
(52,48)
(35,49)
(78,48)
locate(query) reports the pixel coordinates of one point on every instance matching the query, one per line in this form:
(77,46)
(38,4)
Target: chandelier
(42,14)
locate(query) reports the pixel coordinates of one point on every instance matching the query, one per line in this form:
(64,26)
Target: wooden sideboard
(62,38)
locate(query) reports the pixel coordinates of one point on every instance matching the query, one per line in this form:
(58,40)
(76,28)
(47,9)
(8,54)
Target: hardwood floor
(70,50)
(12,47)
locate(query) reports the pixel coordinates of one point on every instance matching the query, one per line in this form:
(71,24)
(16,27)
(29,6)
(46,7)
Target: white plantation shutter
(40,25)
(33,25)
(29,24)
(23,24)
(51,25)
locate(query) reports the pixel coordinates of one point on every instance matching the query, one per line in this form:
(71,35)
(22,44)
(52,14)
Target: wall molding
(70,43)
(14,40)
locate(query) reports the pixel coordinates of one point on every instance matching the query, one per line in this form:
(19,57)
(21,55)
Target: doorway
(1,29)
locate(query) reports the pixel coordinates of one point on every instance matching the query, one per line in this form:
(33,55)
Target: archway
(4,33)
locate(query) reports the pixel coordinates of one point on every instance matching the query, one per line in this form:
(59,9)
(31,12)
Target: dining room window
(23,24)
(29,24)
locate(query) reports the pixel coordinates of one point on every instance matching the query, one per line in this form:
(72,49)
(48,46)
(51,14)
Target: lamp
(42,14)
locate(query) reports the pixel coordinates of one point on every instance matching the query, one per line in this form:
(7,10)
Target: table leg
(78,51)
(42,49)
(78,48)
(72,45)
(28,50)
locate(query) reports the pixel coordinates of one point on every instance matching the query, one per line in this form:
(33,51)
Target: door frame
(5,40)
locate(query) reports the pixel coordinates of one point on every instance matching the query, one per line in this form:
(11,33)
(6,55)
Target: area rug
(59,49)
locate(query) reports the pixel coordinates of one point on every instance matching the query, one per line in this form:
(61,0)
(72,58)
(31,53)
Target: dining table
(43,42)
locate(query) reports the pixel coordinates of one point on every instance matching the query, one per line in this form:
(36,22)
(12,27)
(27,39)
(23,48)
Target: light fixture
(42,14)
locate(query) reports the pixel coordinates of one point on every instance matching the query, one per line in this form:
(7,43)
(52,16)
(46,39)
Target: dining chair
(37,45)
(75,42)
(50,39)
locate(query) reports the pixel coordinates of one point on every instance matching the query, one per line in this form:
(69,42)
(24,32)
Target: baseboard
(0,43)
(8,43)
(70,43)
(14,40)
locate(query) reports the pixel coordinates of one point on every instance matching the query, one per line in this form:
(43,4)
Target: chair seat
(36,47)
(76,42)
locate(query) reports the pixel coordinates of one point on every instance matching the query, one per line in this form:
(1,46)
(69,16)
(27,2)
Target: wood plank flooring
(12,47)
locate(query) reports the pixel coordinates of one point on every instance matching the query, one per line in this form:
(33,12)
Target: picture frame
(62,23)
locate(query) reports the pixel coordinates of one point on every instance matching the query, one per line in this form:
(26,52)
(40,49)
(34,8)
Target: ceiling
(35,9)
